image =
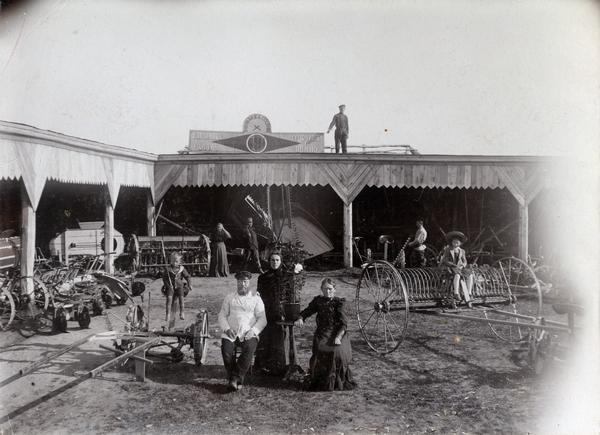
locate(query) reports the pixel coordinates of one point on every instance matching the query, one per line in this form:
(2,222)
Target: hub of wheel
(382,307)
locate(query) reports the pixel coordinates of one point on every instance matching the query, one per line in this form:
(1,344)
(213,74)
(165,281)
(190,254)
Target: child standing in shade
(177,282)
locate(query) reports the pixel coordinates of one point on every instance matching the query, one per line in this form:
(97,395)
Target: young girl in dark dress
(332,353)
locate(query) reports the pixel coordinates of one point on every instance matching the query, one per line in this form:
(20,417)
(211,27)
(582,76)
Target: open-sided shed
(349,174)
(34,156)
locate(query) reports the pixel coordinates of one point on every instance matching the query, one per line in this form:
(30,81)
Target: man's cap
(456,235)
(341,105)
(243,274)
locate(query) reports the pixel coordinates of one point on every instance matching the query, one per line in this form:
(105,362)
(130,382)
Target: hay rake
(506,296)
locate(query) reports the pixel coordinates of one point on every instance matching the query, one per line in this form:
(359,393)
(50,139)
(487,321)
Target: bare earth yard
(447,377)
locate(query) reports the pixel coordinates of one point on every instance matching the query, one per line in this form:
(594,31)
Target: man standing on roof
(342,130)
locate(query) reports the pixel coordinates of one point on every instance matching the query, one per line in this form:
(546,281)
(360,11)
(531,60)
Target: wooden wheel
(526,300)
(7,309)
(200,338)
(381,306)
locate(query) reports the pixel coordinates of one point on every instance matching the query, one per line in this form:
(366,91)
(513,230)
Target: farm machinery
(150,254)
(62,293)
(506,296)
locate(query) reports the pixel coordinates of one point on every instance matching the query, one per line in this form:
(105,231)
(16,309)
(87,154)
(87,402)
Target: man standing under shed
(251,246)
(342,130)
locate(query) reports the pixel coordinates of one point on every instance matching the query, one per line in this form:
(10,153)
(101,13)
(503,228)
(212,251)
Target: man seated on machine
(455,260)
(418,245)
(242,318)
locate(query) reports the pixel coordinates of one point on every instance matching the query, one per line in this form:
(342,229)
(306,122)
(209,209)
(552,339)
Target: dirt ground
(448,376)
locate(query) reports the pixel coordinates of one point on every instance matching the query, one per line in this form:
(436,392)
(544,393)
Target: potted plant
(293,255)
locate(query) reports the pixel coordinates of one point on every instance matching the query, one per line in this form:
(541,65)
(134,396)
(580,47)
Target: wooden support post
(109,234)
(348,235)
(140,366)
(523,231)
(269,200)
(150,221)
(27,241)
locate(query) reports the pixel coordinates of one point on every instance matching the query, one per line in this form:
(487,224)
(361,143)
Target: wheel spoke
(364,311)
(378,282)
(376,328)
(385,332)
(370,290)
(390,331)
(390,293)
(365,324)
(395,324)
(369,334)
(368,280)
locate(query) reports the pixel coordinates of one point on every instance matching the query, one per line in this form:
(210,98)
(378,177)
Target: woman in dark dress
(218,252)
(271,355)
(332,353)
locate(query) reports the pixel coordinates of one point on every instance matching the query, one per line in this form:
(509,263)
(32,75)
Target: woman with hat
(455,260)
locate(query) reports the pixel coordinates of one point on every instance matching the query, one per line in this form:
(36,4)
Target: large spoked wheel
(526,300)
(200,339)
(382,306)
(7,309)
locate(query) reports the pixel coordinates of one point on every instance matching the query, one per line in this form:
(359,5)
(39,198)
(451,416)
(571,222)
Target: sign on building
(255,138)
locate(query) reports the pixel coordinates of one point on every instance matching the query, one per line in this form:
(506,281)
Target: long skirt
(218,260)
(330,365)
(272,351)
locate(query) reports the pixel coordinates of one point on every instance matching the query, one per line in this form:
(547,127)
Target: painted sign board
(256,138)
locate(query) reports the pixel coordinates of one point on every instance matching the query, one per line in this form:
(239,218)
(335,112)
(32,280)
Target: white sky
(446,76)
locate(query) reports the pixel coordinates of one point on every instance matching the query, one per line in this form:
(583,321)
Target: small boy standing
(175,279)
